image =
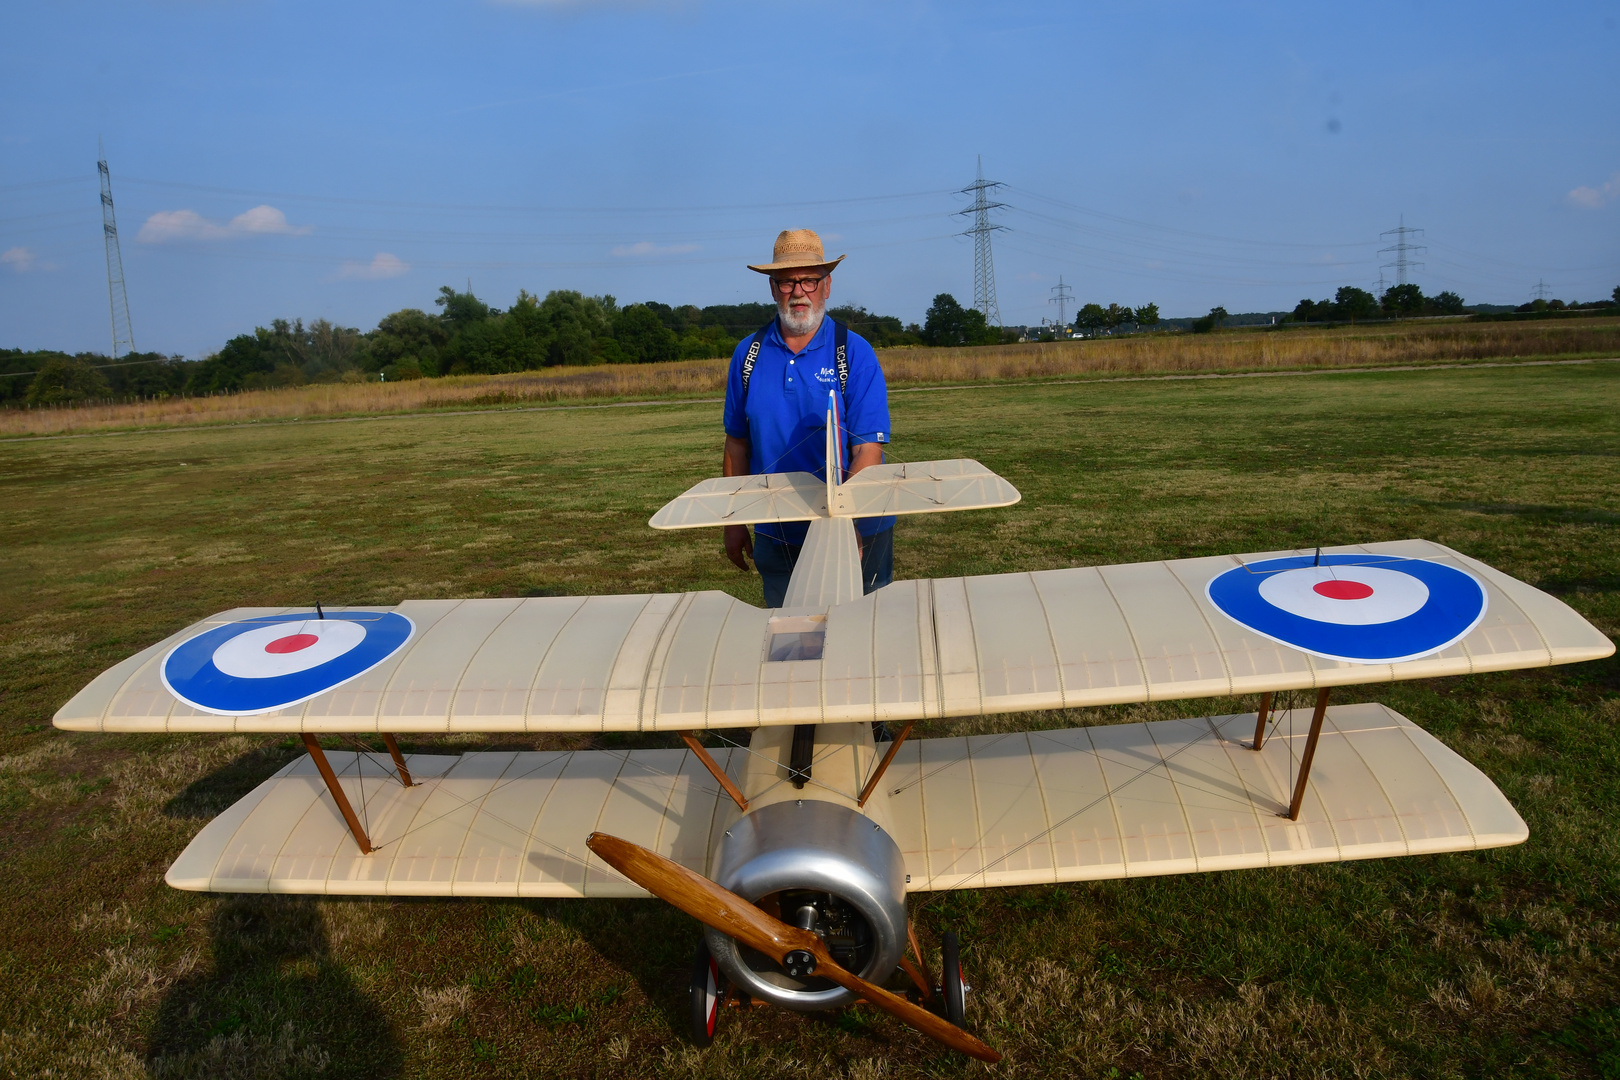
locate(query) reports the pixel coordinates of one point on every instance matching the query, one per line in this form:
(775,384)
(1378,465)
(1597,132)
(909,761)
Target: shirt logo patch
(826,374)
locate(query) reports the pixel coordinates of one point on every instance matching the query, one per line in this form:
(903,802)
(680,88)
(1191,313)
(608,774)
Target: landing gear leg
(705,994)
(952,988)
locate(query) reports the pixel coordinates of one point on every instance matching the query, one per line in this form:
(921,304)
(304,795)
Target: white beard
(800,324)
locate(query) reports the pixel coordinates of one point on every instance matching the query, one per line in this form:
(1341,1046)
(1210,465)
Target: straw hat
(797,249)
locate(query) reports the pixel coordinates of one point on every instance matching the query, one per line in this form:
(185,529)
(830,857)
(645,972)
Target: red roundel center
(295,642)
(1342,590)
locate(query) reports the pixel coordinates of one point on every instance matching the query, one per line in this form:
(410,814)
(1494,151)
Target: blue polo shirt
(784,417)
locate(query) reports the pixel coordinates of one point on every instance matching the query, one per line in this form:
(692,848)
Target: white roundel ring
(261,665)
(1360,609)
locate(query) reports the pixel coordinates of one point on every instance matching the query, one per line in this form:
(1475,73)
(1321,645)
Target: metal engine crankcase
(806,854)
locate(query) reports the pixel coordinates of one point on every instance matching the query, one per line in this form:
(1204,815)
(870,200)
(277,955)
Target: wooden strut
(399,759)
(883,767)
(918,971)
(319,757)
(702,754)
(1310,753)
(1260,719)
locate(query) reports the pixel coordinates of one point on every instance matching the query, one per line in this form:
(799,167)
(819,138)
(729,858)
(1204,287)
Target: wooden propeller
(730,914)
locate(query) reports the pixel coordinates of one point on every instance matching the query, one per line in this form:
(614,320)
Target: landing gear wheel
(707,990)
(951,986)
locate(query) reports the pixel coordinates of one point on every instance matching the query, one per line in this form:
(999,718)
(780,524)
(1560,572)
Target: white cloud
(170,225)
(646,248)
(267,220)
(19,259)
(382,265)
(1593,198)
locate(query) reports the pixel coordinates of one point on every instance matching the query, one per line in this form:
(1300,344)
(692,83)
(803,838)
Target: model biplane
(797,841)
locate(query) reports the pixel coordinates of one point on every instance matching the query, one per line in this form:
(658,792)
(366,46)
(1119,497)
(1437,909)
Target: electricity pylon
(1062,296)
(1402,248)
(117,297)
(984,267)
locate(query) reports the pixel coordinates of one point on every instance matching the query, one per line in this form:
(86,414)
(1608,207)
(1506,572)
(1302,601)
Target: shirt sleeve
(734,418)
(866,398)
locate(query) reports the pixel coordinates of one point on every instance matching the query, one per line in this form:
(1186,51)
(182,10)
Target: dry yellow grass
(1256,350)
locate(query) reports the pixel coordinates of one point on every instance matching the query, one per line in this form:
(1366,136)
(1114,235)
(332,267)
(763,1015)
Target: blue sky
(344,161)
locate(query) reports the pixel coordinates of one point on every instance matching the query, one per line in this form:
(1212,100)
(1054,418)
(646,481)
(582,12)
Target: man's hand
(738,543)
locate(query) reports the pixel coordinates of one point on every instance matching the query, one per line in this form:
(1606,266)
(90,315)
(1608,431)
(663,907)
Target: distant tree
(1353,303)
(1117,316)
(406,344)
(581,328)
(1307,311)
(880,331)
(242,358)
(62,380)
(1091,317)
(1615,296)
(461,310)
(1147,316)
(1402,301)
(1218,317)
(947,322)
(1446,303)
(739,320)
(643,337)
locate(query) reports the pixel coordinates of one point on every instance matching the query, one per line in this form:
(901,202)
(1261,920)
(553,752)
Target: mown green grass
(1493,964)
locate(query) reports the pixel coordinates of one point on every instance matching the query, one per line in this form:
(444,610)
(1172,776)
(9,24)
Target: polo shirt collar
(815,341)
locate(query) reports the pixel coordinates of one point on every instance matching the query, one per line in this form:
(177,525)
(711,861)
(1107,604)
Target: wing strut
(701,752)
(399,760)
(1260,719)
(319,757)
(1310,753)
(883,767)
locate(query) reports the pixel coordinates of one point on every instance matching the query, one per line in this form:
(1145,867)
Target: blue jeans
(775,561)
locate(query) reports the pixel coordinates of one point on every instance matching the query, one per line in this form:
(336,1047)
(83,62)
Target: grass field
(1296,349)
(1501,963)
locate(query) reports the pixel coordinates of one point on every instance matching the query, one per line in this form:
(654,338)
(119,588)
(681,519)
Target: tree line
(465,335)
(1350,304)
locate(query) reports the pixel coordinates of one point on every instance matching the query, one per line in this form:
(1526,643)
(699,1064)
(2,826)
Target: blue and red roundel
(1361,609)
(261,665)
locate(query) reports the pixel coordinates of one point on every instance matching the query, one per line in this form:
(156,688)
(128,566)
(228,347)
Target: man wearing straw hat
(776,410)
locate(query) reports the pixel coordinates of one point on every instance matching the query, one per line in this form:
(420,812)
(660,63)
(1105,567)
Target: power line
(1062,296)
(1402,249)
(984,267)
(117,297)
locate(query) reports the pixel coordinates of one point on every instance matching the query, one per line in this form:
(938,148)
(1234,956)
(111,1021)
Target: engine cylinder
(806,854)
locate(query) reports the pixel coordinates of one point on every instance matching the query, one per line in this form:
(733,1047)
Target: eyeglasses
(785,286)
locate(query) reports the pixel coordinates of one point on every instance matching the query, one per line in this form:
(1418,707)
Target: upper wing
(1180,797)
(947,647)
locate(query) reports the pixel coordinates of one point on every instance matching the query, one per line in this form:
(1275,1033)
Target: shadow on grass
(275,1004)
(647,939)
(210,795)
(1561,514)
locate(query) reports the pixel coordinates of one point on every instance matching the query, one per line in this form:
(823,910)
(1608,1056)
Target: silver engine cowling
(807,861)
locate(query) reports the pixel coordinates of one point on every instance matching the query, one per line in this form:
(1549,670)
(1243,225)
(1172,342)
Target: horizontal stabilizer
(916,487)
(922,487)
(746,500)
